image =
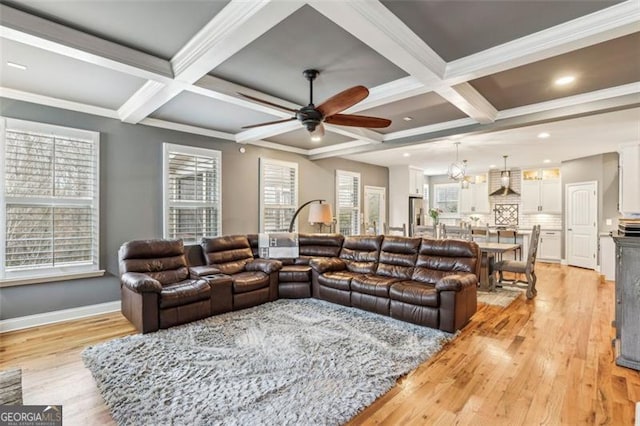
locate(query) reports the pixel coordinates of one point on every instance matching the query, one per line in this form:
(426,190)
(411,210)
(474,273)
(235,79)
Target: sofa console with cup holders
(419,280)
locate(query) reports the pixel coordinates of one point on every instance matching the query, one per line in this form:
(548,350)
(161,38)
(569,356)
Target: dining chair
(519,267)
(429,231)
(510,236)
(457,232)
(396,230)
(480,233)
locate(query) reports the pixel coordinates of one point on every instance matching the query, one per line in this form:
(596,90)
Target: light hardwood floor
(544,361)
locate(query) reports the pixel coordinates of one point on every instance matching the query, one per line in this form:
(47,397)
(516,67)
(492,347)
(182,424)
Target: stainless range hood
(505,181)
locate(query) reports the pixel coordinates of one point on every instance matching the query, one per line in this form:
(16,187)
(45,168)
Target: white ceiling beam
(233,28)
(258,133)
(337,147)
(431,128)
(358,133)
(615,21)
(196,130)
(56,38)
(393,91)
(375,25)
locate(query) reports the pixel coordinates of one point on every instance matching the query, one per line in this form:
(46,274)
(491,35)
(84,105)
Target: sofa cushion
(249,281)
(295,273)
(229,253)
(184,293)
(374,285)
(360,253)
(320,245)
(398,257)
(415,293)
(340,280)
(439,258)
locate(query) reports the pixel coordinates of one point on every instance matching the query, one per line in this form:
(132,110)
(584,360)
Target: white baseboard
(564,262)
(28,321)
(638,413)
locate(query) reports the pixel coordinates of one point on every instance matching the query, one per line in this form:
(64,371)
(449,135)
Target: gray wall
(131,197)
(602,168)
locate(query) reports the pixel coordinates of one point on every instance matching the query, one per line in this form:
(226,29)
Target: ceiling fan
(312,116)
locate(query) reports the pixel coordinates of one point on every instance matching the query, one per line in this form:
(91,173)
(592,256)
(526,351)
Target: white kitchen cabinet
(475,198)
(629,178)
(541,191)
(549,247)
(416,182)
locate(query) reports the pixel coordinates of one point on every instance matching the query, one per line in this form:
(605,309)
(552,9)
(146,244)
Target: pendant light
(457,169)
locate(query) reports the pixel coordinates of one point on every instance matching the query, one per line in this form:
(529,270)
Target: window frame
(167,150)
(42,274)
(358,208)
(264,161)
(445,214)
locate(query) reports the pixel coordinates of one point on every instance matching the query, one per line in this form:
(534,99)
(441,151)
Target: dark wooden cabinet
(628,301)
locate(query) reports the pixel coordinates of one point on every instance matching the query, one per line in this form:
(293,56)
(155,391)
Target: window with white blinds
(49,200)
(278,194)
(348,201)
(192,194)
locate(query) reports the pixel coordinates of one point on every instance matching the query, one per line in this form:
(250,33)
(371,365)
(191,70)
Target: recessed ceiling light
(18,66)
(407,118)
(543,135)
(564,80)
(492,166)
(406,154)
(546,161)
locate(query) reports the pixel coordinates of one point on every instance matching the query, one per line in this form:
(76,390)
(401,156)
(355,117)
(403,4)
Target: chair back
(480,233)
(507,235)
(229,253)
(428,231)
(396,230)
(533,247)
(456,232)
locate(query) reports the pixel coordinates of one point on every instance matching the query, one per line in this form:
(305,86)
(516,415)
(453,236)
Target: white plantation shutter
(192,194)
(278,194)
(49,202)
(348,201)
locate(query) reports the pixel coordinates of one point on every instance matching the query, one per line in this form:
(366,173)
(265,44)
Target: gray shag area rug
(500,297)
(287,362)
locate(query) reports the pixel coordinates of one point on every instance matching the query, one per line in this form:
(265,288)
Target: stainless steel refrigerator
(417,213)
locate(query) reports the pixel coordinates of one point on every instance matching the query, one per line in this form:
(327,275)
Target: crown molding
(615,21)
(279,147)
(47,35)
(57,103)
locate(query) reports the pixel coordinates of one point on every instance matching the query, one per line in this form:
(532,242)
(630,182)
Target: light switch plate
(609,222)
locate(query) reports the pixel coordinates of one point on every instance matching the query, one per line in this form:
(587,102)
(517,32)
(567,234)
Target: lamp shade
(320,213)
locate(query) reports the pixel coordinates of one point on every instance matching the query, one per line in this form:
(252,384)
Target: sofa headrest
(448,248)
(320,240)
(402,245)
(363,242)
(147,249)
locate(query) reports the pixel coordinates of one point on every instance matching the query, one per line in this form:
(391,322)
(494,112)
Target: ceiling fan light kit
(312,117)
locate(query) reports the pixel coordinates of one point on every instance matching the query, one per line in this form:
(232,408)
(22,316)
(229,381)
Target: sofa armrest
(202,271)
(456,282)
(140,283)
(268,266)
(329,264)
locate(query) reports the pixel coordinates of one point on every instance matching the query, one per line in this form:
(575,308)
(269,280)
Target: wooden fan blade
(357,121)
(268,123)
(343,100)
(262,101)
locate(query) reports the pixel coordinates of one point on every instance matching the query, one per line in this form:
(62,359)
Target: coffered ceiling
(481,71)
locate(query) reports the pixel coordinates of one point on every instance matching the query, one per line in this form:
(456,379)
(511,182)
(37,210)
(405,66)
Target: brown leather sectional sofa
(423,281)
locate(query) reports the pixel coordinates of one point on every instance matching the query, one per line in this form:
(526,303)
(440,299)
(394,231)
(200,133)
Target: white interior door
(374,208)
(581,219)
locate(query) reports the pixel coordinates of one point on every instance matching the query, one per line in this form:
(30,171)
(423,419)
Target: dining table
(489,253)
